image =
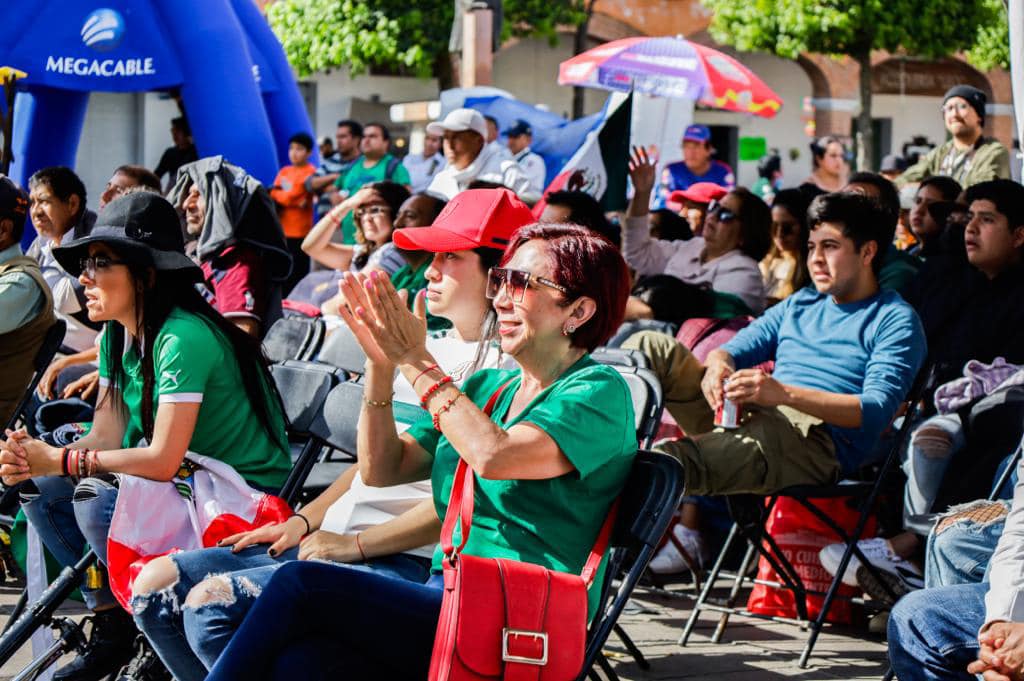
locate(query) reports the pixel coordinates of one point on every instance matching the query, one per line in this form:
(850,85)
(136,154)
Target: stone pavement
(755,650)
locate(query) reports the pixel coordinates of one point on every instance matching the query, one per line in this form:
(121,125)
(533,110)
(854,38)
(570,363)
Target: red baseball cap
(474,218)
(699,192)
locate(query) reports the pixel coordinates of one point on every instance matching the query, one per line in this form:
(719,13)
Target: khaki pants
(773,448)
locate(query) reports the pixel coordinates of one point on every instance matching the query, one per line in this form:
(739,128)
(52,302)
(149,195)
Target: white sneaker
(878,553)
(670,560)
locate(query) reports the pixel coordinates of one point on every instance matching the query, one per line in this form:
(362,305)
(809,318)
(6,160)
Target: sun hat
(143,227)
(475,218)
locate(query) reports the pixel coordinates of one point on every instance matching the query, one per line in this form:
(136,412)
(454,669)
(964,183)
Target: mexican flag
(600,165)
(205,502)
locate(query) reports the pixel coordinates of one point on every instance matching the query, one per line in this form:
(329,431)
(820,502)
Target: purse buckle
(506,656)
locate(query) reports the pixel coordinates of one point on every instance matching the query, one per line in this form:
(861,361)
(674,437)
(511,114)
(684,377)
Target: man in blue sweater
(845,353)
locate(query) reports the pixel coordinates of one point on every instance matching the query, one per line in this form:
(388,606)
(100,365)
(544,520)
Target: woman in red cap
(549,457)
(391,530)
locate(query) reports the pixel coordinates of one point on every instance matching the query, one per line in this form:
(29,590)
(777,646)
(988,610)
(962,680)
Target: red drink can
(728,413)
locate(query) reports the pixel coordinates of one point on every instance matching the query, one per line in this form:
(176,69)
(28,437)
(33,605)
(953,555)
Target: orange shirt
(295,202)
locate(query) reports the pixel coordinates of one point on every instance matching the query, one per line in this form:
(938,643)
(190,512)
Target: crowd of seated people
(458,294)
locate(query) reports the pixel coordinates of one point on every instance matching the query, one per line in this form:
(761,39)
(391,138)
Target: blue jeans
(68,518)
(333,622)
(925,461)
(933,633)
(188,638)
(959,553)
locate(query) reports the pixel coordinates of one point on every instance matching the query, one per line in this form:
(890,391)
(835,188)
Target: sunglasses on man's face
(516,281)
(721,213)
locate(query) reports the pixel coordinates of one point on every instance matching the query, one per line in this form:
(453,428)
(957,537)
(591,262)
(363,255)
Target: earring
(568,330)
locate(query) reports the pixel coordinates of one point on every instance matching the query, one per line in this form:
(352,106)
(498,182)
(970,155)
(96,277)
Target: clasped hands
(23,457)
(1001,657)
(380,319)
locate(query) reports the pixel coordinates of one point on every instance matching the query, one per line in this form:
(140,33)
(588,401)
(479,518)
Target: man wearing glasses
(968,157)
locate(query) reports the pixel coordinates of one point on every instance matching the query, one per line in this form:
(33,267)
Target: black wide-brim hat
(144,229)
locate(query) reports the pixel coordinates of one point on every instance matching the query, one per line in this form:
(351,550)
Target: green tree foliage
(924,28)
(992,47)
(411,36)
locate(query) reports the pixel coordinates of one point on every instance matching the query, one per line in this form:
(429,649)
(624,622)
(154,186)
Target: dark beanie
(975,97)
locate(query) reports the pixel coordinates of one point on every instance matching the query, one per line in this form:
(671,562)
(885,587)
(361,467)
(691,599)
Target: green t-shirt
(194,362)
(554,522)
(359,176)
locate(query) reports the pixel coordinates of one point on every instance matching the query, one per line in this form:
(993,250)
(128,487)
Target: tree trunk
(446,70)
(579,46)
(865,135)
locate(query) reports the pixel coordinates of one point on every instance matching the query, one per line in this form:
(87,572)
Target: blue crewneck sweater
(872,348)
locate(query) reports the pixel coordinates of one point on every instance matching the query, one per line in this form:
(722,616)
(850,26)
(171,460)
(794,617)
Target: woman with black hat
(172,374)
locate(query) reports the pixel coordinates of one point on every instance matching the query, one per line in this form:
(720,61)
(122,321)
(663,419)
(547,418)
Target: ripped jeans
(68,517)
(189,632)
(925,462)
(962,543)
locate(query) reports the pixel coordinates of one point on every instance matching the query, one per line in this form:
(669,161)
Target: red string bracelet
(359,545)
(420,374)
(433,389)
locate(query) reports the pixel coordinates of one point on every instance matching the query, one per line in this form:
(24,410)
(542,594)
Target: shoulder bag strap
(460,509)
(460,501)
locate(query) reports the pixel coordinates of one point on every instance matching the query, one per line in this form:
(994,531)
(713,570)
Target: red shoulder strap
(460,510)
(460,501)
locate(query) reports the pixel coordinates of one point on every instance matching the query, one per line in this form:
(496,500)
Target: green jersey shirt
(358,176)
(589,414)
(194,362)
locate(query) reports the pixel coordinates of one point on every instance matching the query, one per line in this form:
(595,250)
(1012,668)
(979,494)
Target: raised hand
(643,170)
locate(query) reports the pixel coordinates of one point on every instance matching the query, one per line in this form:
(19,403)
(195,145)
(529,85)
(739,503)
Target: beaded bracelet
(92,462)
(378,403)
(447,405)
(433,389)
(420,374)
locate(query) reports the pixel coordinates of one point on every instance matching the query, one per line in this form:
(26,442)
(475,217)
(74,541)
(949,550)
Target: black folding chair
(294,338)
(645,389)
(336,429)
(51,344)
(648,501)
(342,350)
(304,388)
(621,357)
(751,513)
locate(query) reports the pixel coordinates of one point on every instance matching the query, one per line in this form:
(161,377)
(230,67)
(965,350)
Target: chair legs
(638,656)
(709,582)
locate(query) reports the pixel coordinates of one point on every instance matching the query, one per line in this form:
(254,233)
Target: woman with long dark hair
(175,378)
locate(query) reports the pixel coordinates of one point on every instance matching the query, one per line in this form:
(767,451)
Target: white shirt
(732,272)
(422,169)
(362,506)
(534,168)
(489,167)
(78,336)
(1005,598)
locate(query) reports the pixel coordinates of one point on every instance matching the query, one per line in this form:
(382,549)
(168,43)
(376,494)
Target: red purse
(505,619)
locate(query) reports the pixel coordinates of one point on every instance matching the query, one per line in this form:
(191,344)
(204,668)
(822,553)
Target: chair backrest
(620,357)
(645,389)
(44,355)
(303,387)
(635,326)
(342,350)
(648,501)
(293,338)
(337,422)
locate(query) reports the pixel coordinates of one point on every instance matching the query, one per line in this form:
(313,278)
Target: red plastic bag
(801,536)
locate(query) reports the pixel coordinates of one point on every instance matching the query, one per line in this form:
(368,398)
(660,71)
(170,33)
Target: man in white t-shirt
(520,137)
(470,158)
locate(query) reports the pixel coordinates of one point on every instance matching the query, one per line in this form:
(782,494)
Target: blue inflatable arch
(235,83)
